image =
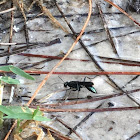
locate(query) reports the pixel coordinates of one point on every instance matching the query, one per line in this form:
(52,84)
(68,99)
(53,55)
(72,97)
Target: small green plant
(17,112)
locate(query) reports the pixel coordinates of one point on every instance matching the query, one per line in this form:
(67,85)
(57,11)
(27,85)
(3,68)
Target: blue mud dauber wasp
(77,85)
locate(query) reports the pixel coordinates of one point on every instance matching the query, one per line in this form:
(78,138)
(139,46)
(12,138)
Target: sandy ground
(52,41)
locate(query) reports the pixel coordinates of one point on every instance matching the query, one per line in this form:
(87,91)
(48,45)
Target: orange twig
(6,137)
(49,74)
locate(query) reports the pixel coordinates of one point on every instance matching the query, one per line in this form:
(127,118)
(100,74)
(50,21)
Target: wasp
(77,85)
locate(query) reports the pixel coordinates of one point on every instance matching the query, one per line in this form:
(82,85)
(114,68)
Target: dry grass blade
(2,2)
(11,32)
(47,13)
(8,10)
(50,137)
(21,6)
(7,44)
(17,137)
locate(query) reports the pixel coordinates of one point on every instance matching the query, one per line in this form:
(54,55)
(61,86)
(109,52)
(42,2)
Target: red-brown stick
(89,100)
(81,73)
(84,60)
(51,57)
(86,73)
(89,110)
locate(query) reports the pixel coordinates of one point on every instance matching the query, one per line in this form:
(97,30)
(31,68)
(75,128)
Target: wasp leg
(88,78)
(67,96)
(84,79)
(78,87)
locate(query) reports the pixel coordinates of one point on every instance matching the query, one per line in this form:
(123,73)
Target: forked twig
(47,13)
(71,130)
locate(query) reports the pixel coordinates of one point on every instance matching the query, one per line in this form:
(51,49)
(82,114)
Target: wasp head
(65,84)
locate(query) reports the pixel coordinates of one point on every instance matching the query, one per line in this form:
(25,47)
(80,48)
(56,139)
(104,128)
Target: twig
(133,136)
(8,134)
(11,32)
(47,13)
(125,64)
(121,10)
(7,44)
(55,132)
(106,29)
(48,56)
(90,100)
(71,130)
(83,120)
(131,63)
(21,6)
(115,59)
(8,10)
(117,36)
(90,110)
(80,73)
(2,1)
(30,46)
(134,78)
(88,73)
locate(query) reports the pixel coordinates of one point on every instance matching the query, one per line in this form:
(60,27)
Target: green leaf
(35,112)
(9,80)
(5,68)
(41,118)
(20,72)
(5,110)
(37,115)
(24,113)
(20,109)
(24,116)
